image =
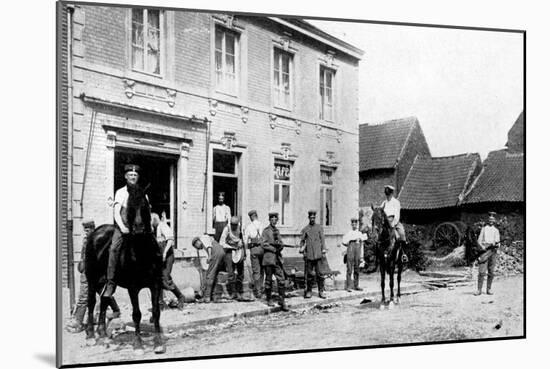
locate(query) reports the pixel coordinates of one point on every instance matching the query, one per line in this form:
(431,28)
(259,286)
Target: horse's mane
(137,201)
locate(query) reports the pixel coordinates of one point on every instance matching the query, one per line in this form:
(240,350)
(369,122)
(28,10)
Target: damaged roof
(435,183)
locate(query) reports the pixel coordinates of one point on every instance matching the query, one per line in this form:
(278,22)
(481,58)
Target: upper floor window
(326,91)
(146,36)
(226,60)
(282,64)
(282,187)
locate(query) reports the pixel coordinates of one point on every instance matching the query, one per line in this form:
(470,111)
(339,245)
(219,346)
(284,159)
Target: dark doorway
(157,171)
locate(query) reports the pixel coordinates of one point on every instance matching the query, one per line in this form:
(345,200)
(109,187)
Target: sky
(464,86)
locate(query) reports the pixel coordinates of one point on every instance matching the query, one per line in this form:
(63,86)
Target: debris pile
(510,258)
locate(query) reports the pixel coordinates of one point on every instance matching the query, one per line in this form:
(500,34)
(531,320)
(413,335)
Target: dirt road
(439,315)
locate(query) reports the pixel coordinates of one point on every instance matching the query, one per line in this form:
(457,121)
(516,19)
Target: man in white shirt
(353,241)
(489,240)
(392,208)
(221,216)
(253,242)
(131,174)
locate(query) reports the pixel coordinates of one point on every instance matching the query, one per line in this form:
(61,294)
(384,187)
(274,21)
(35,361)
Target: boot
(282,302)
(479,285)
(321,287)
(268,298)
(307,295)
(207,295)
(489,284)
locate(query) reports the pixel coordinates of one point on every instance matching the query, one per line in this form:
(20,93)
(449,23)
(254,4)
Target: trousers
(353,262)
(311,266)
(114,253)
(256,258)
(234,282)
(488,267)
(277,271)
(82,301)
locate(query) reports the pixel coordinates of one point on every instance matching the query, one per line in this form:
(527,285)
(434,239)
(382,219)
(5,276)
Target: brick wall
(371,186)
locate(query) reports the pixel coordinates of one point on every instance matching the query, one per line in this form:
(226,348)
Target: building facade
(262,108)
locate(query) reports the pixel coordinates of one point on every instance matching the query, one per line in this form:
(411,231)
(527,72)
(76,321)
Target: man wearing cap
(131,174)
(489,240)
(232,242)
(312,245)
(353,241)
(392,208)
(253,243)
(216,263)
(75,325)
(273,260)
(221,216)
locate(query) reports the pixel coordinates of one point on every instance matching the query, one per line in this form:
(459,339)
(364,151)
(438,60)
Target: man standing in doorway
(131,174)
(253,243)
(221,216)
(489,240)
(312,245)
(232,242)
(392,208)
(273,260)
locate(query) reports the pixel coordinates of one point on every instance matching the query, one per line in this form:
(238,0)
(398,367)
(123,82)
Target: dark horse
(140,266)
(389,253)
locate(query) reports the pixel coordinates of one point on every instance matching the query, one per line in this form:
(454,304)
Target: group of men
(227,250)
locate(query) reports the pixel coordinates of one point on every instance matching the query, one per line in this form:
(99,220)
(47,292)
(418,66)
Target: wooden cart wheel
(447,236)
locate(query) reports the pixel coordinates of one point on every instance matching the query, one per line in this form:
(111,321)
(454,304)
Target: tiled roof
(435,183)
(500,180)
(380,145)
(516,135)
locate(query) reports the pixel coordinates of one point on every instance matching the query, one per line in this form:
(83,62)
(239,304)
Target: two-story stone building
(262,108)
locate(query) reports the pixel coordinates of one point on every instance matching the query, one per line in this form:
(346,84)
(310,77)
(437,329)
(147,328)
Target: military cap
(273,214)
(390,187)
(252,212)
(234,220)
(195,239)
(312,212)
(88,223)
(131,168)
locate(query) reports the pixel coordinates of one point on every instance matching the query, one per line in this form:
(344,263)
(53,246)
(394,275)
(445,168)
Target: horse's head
(138,210)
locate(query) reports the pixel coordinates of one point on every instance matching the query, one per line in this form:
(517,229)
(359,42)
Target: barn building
(264,109)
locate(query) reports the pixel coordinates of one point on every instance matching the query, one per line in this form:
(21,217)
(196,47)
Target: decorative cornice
(229,140)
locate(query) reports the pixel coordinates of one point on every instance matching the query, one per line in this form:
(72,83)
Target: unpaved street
(439,315)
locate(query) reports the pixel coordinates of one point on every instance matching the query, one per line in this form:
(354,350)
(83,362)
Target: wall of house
(371,186)
(114,106)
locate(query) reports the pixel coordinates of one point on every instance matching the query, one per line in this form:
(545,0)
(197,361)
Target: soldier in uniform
(232,242)
(221,216)
(131,174)
(253,243)
(312,245)
(216,262)
(273,260)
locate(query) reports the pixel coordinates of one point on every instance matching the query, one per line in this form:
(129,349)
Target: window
(282,62)
(146,44)
(281,190)
(326,196)
(326,90)
(226,60)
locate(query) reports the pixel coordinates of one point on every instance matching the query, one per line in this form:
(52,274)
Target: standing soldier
(232,242)
(312,245)
(131,174)
(489,240)
(253,242)
(273,260)
(221,216)
(353,241)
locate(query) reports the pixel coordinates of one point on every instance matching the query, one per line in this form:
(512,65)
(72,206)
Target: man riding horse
(131,174)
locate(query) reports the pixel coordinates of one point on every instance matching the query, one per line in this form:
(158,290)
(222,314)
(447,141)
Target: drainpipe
(205,189)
